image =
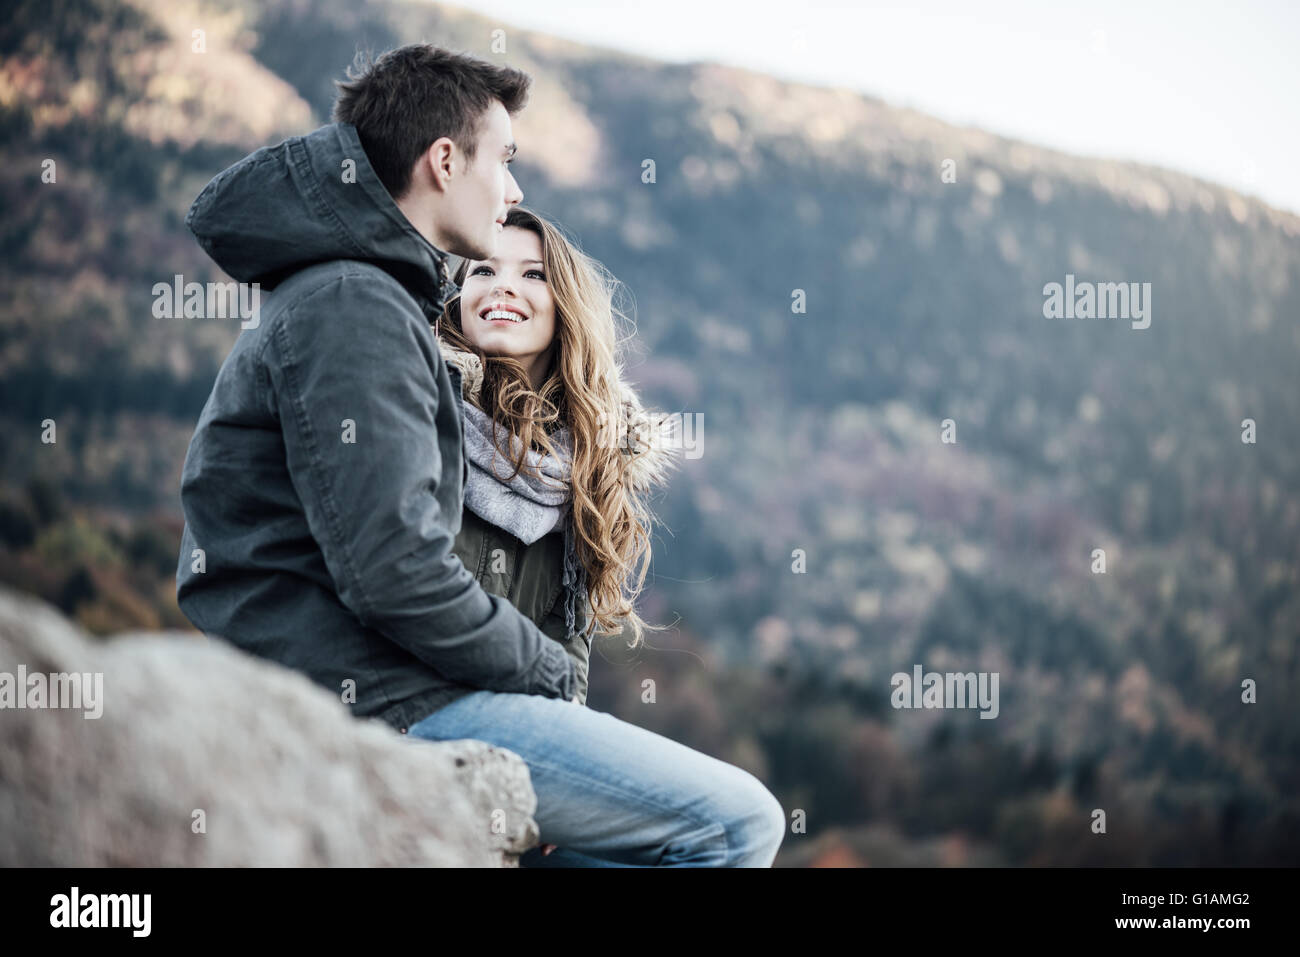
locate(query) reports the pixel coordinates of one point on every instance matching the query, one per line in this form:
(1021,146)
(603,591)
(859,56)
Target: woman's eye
(487,271)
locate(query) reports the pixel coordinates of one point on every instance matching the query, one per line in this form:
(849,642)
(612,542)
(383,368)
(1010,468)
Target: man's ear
(442,160)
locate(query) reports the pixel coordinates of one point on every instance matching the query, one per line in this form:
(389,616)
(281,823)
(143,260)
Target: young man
(323,486)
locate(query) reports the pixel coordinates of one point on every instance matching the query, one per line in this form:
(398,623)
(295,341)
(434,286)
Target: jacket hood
(651,437)
(311,199)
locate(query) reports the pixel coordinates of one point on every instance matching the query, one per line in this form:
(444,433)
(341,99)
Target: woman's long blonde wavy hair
(612,521)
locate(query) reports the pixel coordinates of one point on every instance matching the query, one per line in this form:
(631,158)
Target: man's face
(480,193)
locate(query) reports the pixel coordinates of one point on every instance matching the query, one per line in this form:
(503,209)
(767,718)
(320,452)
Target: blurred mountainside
(821,430)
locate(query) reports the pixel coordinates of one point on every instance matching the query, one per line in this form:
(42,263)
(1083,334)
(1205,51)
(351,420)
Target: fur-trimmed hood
(651,443)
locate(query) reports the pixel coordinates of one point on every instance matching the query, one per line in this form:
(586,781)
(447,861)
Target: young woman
(560,456)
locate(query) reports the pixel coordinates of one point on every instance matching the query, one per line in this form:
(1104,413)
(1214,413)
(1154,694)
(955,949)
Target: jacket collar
(446,291)
(283,208)
(651,444)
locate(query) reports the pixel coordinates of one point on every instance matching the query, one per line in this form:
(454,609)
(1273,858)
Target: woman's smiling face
(506,306)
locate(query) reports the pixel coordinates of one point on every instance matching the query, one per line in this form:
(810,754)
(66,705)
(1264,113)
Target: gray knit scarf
(526,506)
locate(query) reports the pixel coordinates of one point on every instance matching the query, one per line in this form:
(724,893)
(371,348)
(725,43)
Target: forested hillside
(828,536)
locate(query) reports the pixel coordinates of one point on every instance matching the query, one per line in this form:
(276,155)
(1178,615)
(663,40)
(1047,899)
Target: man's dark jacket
(323,487)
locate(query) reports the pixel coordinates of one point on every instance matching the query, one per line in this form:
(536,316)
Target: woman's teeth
(496,314)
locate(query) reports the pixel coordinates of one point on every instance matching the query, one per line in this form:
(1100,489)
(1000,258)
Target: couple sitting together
(427,492)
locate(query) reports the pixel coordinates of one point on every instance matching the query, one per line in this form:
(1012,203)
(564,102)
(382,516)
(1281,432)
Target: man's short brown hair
(416,94)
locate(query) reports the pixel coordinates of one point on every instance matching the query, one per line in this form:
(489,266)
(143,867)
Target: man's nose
(514,195)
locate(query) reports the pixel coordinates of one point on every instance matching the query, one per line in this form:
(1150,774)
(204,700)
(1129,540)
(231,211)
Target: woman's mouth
(502,314)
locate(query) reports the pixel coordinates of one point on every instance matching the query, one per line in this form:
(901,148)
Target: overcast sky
(1208,89)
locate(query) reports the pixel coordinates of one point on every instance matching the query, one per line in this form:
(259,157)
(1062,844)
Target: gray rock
(281,772)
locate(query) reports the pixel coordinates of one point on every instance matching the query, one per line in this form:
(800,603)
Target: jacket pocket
(539,577)
(578,648)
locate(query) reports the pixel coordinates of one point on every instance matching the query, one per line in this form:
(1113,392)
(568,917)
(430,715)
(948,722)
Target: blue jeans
(612,794)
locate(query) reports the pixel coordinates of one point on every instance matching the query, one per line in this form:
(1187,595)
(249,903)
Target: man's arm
(354,356)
